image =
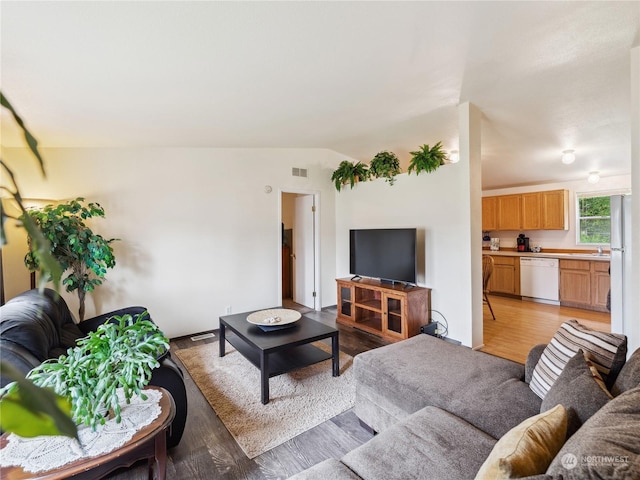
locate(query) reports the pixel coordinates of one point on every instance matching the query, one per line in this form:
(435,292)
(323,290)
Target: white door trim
(316,243)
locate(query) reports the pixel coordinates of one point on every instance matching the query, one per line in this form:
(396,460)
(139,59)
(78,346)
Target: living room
(199,231)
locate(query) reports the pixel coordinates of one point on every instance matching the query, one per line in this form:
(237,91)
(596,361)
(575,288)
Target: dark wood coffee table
(279,351)
(149,443)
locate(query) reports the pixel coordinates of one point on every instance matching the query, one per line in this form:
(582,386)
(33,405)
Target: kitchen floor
(519,325)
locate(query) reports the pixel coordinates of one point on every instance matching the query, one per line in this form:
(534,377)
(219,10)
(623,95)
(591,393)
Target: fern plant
(427,159)
(349,173)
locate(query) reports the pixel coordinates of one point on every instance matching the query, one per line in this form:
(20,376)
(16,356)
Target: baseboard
(478,347)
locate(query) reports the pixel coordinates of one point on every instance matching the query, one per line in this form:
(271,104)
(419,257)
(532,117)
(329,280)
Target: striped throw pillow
(607,352)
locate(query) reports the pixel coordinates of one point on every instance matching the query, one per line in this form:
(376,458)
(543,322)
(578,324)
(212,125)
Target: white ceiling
(355,77)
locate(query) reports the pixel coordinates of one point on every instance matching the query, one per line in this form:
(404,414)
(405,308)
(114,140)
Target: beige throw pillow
(528,448)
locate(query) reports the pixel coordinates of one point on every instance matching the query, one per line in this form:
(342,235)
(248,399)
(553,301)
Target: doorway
(299,249)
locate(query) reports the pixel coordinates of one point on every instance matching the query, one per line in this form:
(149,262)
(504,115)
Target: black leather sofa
(37,326)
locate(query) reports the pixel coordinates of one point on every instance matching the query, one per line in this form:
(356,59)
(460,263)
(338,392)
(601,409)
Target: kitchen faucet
(599,249)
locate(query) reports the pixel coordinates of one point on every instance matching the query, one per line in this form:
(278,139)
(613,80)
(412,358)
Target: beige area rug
(299,400)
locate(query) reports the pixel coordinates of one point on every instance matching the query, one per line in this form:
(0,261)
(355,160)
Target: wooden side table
(149,442)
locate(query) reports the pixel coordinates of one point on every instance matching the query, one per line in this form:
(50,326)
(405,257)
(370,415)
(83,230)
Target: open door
(303,257)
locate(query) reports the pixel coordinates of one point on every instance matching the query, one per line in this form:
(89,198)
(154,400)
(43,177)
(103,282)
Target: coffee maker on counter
(523,243)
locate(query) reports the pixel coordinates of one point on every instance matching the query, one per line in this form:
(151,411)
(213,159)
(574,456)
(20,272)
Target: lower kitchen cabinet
(584,284)
(506,275)
(600,285)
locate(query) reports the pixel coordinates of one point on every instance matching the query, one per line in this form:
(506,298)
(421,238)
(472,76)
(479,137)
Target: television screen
(388,254)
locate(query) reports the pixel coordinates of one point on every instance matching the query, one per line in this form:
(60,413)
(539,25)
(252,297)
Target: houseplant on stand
(120,355)
(73,244)
(349,173)
(427,159)
(385,165)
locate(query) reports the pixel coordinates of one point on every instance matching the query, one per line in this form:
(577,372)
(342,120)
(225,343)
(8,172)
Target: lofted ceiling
(354,77)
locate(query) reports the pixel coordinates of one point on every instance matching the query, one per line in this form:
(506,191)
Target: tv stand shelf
(391,311)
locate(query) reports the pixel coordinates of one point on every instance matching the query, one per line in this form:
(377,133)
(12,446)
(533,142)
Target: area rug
(298,401)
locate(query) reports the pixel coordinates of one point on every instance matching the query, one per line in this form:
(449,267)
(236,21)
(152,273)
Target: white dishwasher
(539,279)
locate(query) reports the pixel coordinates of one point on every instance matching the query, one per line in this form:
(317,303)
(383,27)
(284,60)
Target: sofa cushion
(430,444)
(607,351)
(532,360)
(629,376)
(394,381)
(578,390)
(528,448)
(39,322)
(330,468)
(606,446)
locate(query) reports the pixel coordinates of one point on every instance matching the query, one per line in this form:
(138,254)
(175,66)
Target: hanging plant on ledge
(385,165)
(427,159)
(351,173)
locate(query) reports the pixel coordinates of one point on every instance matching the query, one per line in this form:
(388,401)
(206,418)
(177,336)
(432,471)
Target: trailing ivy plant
(427,159)
(120,354)
(349,173)
(86,255)
(385,165)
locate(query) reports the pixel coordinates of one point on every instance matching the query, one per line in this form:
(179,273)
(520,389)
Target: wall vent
(299,172)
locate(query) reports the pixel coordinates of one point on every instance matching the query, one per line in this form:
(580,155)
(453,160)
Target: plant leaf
(31,141)
(28,410)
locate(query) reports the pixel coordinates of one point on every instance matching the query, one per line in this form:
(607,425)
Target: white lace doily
(39,454)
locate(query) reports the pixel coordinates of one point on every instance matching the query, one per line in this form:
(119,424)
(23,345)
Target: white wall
(431,203)
(198,231)
(557,239)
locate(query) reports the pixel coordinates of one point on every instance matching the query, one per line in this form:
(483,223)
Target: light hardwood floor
(208,451)
(519,325)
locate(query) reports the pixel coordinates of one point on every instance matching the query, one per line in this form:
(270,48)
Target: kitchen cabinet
(555,210)
(390,311)
(505,278)
(547,210)
(600,285)
(584,284)
(509,217)
(489,213)
(531,208)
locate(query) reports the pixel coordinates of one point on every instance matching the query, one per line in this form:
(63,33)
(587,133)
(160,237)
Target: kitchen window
(593,217)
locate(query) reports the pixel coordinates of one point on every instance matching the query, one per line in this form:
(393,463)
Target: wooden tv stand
(390,311)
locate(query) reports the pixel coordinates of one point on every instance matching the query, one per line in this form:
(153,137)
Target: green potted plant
(385,165)
(349,173)
(120,354)
(427,159)
(86,255)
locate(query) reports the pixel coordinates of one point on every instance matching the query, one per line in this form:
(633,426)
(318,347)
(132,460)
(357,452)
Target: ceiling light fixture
(568,157)
(594,177)
(454,156)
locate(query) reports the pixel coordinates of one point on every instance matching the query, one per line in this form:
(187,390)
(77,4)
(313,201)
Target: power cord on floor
(442,332)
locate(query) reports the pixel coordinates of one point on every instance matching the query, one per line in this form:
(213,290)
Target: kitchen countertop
(605,257)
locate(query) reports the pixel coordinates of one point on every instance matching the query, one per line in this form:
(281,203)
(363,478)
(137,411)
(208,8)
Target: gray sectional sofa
(439,410)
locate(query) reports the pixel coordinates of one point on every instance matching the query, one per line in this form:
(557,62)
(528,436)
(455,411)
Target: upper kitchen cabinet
(509,212)
(531,209)
(489,213)
(547,210)
(555,210)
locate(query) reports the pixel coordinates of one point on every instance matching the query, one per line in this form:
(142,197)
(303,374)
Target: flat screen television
(387,253)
